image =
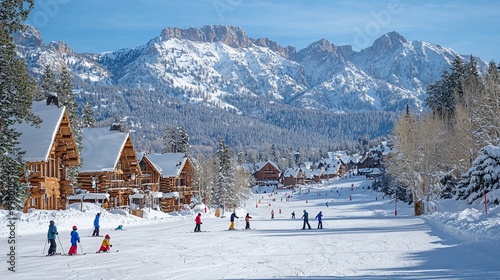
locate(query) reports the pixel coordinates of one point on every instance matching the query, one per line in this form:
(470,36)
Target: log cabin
(267,174)
(172,174)
(293,177)
(109,166)
(49,150)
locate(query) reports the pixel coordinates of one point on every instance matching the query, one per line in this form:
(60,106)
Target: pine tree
(224,186)
(176,140)
(16,97)
(88,120)
(48,82)
(67,98)
(483,177)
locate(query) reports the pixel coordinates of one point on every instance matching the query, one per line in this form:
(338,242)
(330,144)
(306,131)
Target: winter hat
(74,227)
(107,236)
(51,222)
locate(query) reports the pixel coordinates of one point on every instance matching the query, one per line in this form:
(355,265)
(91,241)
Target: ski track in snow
(361,239)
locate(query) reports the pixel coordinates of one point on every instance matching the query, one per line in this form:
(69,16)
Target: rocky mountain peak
(61,47)
(30,37)
(288,52)
(232,36)
(389,41)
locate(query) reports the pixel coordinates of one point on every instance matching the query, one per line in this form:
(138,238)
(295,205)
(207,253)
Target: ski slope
(361,239)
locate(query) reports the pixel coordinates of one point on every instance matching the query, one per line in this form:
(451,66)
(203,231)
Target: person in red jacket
(198,222)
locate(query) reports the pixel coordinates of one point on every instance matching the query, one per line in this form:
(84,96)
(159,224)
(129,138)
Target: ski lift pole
(45,246)
(485,205)
(395,202)
(62,249)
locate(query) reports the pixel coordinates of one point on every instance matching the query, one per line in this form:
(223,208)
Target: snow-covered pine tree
(176,140)
(48,81)
(17,89)
(483,177)
(182,140)
(88,120)
(67,98)
(223,189)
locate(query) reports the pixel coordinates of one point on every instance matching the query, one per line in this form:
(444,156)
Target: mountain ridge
(220,68)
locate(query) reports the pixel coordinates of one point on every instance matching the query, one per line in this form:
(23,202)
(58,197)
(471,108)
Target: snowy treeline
(434,149)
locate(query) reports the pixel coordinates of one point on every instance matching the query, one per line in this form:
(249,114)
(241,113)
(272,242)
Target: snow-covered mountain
(216,65)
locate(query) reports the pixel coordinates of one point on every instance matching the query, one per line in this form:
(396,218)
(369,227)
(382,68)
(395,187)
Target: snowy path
(361,239)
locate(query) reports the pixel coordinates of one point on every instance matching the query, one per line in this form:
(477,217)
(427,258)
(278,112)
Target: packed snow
(362,238)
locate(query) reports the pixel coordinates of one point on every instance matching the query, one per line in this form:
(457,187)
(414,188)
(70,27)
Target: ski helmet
(107,236)
(51,222)
(74,227)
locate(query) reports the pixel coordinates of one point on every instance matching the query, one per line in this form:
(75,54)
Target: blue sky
(469,27)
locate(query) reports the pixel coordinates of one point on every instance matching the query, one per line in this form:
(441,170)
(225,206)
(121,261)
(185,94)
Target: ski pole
(62,249)
(81,248)
(91,231)
(45,246)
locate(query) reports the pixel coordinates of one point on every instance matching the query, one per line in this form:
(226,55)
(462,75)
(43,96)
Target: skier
(306,220)
(198,222)
(293,215)
(272,214)
(247,220)
(96,225)
(51,237)
(320,218)
(105,245)
(75,238)
(120,227)
(233,215)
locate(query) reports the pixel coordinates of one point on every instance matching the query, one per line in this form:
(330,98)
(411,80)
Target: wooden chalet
(49,149)
(267,174)
(110,165)
(293,177)
(371,160)
(172,175)
(333,167)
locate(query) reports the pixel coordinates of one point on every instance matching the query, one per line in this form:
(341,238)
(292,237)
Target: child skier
(198,222)
(320,218)
(75,239)
(105,245)
(233,216)
(51,237)
(96,225)
(247,220)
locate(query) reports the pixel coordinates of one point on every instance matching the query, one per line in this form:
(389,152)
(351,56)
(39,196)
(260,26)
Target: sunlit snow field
(361,239)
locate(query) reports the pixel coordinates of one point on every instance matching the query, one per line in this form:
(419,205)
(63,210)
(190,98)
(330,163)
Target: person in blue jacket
(96,225)
(75,239)
(233,216)
(320,220)
(51,237)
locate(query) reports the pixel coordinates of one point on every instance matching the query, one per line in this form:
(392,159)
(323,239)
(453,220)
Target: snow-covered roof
(262,164)
(37,141)
(85,196)
(168,164)
(291,172)
(248,167)
(101,149)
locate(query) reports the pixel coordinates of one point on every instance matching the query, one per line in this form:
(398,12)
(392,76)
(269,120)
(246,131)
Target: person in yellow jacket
(105,245)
